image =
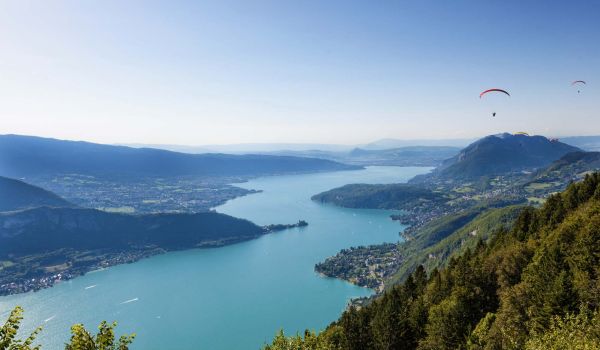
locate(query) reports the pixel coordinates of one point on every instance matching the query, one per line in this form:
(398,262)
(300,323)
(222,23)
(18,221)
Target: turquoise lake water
(234,297)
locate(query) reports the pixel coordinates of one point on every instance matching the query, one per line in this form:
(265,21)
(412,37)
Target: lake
(234,297)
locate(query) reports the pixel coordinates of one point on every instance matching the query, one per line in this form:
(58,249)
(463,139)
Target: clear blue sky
(206,72)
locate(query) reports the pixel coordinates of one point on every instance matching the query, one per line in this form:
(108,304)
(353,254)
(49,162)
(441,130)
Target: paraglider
(578,82)
(493,90)
(521,133)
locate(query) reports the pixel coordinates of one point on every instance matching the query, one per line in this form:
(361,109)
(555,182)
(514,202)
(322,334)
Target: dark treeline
(535,286)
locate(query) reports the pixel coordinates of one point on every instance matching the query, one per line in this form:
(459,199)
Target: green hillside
(534,286)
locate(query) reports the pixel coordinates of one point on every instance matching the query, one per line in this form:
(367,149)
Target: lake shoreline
(106,259)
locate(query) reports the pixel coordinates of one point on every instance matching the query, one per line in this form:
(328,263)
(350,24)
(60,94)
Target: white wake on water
(129,301)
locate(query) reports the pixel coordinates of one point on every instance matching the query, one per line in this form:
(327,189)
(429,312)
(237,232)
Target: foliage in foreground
(535,286)
(574,331)
(81,339)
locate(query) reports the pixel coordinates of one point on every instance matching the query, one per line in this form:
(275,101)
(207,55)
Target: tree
(574,331)
(8,333)
(81,339)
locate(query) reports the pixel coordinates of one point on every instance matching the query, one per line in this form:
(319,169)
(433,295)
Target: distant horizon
(281,146)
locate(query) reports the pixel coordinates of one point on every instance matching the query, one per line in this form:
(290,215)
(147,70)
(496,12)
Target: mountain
(532,286)
(22,156)
(16,194)
(502,154)
(46,229)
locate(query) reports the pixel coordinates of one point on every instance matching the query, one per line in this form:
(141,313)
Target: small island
(281,227)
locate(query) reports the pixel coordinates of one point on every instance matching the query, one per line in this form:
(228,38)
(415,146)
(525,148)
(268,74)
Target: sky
(305,71)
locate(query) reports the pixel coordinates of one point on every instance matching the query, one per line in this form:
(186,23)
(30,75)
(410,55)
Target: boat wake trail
(129,301)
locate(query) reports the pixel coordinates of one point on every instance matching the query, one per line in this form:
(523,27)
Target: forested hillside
(535,286)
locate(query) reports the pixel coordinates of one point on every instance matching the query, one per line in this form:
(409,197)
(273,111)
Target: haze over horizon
(341,72)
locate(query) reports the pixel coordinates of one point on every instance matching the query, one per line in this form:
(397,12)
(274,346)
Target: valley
(144,195)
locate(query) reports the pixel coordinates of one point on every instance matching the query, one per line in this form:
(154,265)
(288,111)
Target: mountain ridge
(22,156)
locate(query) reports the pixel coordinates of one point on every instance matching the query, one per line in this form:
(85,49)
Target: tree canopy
(81,339)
